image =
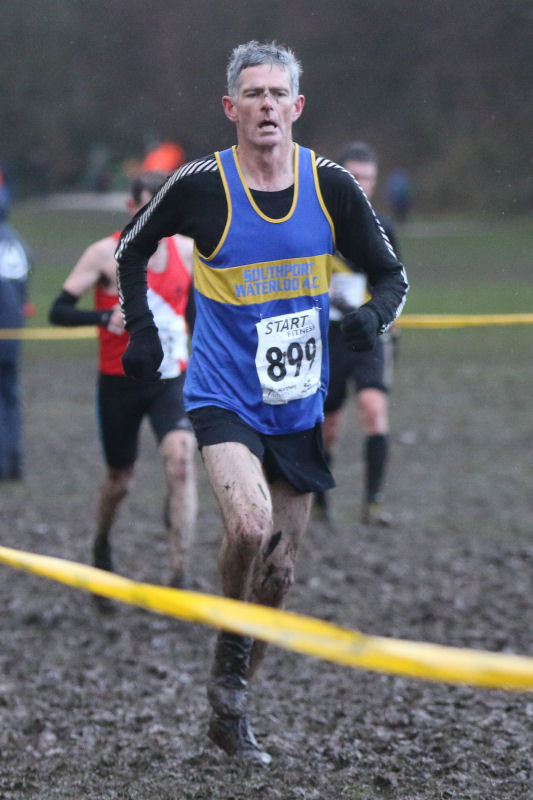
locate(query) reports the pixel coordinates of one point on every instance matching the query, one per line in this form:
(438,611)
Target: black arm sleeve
(64,312)
(191,202)
(388,227)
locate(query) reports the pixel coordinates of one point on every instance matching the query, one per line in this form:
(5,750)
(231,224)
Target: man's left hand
(143,355)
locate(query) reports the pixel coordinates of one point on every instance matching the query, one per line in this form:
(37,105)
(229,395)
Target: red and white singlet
(168,292)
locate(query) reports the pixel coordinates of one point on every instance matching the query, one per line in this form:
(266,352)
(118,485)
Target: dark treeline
(442,88)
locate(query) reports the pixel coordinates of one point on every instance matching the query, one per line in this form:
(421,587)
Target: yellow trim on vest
(320,198)
(229,215)
(339,265)
(249,194)
(268,280)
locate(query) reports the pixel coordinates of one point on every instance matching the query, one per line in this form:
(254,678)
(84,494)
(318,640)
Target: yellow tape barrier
(85,332)
(292,631)
(405,321)
(462,320)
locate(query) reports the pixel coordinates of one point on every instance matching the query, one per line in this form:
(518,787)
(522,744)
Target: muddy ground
(109,708)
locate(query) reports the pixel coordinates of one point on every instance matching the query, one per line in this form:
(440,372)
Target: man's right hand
(143,355)
(359,329)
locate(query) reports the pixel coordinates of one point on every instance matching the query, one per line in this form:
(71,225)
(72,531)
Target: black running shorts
(298,458)
(122,403)
(372,370)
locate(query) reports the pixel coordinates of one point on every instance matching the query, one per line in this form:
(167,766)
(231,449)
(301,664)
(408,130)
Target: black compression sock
(376,450)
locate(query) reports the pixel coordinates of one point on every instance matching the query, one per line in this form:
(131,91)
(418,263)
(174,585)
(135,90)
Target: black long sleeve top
(193,202)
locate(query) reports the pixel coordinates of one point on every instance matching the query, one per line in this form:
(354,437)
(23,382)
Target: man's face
(365,173)
(264,109)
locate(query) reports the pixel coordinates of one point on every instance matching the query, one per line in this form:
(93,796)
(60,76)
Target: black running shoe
(234,735)
(227,687)
(227,695)
(373,514)
(102,559)
(102,554)
(104,605)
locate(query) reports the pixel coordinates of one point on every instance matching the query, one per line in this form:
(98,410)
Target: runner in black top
(263,483)
(193,203)
(370,372)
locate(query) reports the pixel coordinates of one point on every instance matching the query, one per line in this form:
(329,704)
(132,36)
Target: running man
(267,216)
(371,372)
(122,403)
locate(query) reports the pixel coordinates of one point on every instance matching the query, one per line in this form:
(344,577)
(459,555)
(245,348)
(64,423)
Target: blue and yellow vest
(259,345)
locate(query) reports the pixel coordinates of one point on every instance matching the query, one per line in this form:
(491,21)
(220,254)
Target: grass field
(115,708)
(454,265)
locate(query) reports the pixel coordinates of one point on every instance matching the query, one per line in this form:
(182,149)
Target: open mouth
(267,124)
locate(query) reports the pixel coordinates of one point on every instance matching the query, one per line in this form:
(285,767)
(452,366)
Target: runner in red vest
(122,403)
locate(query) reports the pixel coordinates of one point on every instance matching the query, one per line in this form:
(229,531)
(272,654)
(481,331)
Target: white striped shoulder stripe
(208,164)
(320,161)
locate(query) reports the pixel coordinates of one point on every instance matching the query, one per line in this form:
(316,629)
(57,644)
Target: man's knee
(177,449)
(372,410)
(249,531)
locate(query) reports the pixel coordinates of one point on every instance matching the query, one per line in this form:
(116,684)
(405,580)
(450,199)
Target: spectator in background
(15,262)
(400,194)
(122,402)
(370,372)
(99,173)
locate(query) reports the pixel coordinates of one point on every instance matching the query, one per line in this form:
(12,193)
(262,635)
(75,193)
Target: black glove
(143,355)
(359,329)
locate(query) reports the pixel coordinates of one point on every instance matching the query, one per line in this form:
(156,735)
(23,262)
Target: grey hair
(254,53)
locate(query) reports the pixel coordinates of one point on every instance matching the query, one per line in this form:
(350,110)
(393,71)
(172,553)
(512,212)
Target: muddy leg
(241,490)
(274,574)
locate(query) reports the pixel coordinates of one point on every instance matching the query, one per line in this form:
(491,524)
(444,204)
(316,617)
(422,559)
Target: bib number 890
(294,356)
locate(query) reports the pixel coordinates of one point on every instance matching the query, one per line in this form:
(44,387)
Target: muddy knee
(249,533)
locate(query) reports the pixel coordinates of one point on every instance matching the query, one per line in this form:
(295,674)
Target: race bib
(173,336)
(289,356)
(174,343)
(350,287)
